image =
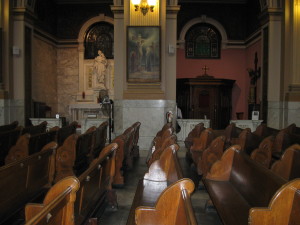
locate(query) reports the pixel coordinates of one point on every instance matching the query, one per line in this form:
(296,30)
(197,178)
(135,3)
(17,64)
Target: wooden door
(202,103)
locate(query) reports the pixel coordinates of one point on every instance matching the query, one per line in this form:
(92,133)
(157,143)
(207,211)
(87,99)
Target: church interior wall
(221,68)
(67,79)
(44,73)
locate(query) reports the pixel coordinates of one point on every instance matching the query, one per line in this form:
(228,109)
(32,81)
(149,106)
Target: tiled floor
(125,195)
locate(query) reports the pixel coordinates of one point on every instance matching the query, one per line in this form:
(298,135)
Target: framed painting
(143,54)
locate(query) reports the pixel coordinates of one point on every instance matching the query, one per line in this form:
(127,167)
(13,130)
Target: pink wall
(232,65)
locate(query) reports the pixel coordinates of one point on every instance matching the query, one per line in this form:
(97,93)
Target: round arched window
(202,41)
(99,36)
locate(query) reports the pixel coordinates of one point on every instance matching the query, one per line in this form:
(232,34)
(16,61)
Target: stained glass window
(99,36)
(203,41)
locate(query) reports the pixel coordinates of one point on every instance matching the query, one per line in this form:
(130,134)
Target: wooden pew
(195,132)
(123,157)
(95,181)
(29,144)
(210,155)
(200,144)
(25,180)
(41,128)
(166,126)
(136,137)
(160,175)
(264,131)
(160,146)
(96,186)
(99,140)
(236,184)
(128,150)
(288,166)
(9,127)
(283,140)
(7,140)
(248,141)
(58,205)
(263,154)
(65,132)
(284,208)
(173,206)
(84,145)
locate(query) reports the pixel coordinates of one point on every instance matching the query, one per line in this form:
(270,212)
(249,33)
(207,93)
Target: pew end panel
(19,150)
(65,158)
(263,154)
(221,169)
(119,178)
(95,183)
(136,148)
(58,205)
(195,132)
(158,149)
(173,207)
(284,208)
(210,155)
(200,144)
(167,167)
(288,167)
(23,181)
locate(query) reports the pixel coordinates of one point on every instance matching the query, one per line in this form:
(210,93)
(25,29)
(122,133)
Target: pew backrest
(84,146)
(94,183)
(37,129)
(9,127)
(65,132)
(57,207)
(167,167)
(263,154)
(24,179)
(7,140)
(284,207)
(65,158)
(288,167)
(173,206)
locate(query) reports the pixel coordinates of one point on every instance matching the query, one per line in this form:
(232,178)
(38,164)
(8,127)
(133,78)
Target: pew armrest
(174,201)
(32,209)
(284,208)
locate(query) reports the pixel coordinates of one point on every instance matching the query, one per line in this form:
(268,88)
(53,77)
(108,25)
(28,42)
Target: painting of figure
(143,54)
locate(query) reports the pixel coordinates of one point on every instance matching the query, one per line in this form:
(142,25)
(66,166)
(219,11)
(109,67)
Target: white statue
(99,69)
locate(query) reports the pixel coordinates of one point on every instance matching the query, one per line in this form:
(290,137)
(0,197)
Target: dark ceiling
(180,1)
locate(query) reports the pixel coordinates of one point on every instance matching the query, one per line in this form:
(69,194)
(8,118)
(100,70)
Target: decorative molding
(203,19)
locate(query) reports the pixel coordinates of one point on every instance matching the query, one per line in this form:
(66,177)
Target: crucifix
(205,68)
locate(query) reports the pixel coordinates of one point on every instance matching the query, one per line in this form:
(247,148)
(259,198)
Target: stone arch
(203,19)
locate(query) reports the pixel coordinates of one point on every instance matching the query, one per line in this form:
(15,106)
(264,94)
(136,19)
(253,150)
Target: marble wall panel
(151,114)
(292,113)
(275,114)
(67,79)
(44,73)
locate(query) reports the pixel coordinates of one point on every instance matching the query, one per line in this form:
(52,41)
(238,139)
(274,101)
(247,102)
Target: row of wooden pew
(82,157)
(19,142)
(243,190)
(206,145)
(163,194)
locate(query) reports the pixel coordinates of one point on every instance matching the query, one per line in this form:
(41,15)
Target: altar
(252,124)
(187,125)
(81,111)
